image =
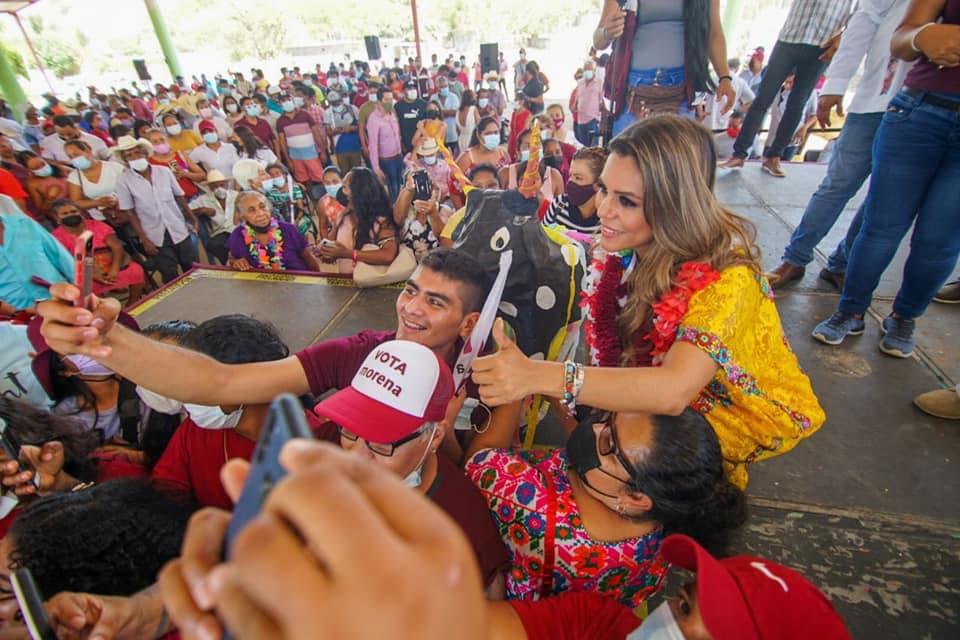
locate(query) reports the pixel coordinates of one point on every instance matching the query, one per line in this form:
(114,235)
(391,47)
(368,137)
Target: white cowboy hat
(215,175)
(125,143)
(428,147)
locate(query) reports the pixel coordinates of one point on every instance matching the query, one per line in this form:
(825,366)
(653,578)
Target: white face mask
(430,160)
(298,102)
(220,192)
(206,112)
(411,94)
(159,403)
(415,478)
(659,625)
(140,164)
(588,74)
(232,107)
(174,129)
(213,417)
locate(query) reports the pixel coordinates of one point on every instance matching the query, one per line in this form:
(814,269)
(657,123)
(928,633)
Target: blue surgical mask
(430,160)
(491,141)
(252,110)
(332,189)
(524,155)
(267,184)
(588,74)
(445,92)
(43,172)
(483,102)
(210,137)
(288,106)
(415,478)
(81,162)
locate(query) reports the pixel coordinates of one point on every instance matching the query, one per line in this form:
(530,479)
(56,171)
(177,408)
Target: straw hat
(428,147)
(125,143)
(214,175)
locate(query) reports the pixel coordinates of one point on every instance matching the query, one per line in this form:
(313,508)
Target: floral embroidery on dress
(513,483)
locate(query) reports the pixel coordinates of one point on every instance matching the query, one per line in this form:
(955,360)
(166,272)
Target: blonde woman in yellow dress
(678,310)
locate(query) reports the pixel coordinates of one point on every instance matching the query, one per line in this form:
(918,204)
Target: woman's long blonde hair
(676,160)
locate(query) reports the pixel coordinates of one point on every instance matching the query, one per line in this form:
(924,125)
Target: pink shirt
(588,100)
(383,136)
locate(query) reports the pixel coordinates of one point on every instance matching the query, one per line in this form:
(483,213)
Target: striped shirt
(562,212)
(813,21)
(297,128)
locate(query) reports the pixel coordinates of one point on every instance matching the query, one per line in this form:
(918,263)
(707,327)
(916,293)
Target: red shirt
(575,616)
(332,365)
(9,186)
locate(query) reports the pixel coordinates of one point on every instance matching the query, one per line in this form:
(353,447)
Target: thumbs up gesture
(507,375)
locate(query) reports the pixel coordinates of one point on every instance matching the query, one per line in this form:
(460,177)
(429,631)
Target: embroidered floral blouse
(760,402)
(533,505)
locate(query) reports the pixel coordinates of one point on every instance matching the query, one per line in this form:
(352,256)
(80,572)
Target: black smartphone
(285,421)
(422,188)
(31,605)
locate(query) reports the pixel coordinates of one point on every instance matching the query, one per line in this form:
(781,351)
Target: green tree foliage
(16,63)
(59,50)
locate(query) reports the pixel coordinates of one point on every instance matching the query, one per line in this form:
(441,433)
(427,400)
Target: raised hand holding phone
(83,263)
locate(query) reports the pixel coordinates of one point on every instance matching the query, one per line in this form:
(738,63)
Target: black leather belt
(937,101)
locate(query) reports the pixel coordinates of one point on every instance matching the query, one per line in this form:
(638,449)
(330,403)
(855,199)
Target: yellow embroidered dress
(760,402)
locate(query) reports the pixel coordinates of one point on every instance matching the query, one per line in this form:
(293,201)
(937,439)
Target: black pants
(182,254)
(786,57)
(217,247)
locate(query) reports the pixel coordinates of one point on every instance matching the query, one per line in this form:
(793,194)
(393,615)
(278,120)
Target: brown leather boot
(785,274)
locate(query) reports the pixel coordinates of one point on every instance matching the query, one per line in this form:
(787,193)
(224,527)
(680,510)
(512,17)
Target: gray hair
(246,195)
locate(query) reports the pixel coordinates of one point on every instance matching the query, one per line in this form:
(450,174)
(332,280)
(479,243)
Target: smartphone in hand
(83,264)
(31,605)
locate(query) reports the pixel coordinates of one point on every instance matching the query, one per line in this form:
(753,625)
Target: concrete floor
(867,508)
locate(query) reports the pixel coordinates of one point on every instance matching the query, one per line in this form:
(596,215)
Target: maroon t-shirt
(581,615)
(925,75)
(261,129)
(331,365)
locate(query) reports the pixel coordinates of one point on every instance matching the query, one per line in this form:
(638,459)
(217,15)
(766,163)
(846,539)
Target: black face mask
(342,198)
(433,115)
(260,229)
(72,220)
(582,448)
(554,161)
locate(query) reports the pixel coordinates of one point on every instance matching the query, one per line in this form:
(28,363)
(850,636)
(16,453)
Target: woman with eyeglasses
(591,517)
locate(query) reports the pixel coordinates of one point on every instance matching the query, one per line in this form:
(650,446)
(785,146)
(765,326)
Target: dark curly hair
(236,339)
(34,426)
(682,473)
(369,202)
(596,157)
(111,539)
(174,330)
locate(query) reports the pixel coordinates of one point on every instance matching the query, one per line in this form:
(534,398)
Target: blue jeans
(849,167)
(916,173)
(393,169)
(671,77)
(587,133)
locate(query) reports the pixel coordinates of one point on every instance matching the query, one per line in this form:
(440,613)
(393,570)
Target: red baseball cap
(400,386)
(750,598)
(206,125)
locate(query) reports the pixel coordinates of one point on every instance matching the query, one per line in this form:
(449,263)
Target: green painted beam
(163,37)
(10,86)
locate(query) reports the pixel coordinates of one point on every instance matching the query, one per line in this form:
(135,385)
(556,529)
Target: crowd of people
(416,514)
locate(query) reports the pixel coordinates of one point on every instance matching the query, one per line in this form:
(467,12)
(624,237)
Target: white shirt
(154,202)
(52,147)
(107,185)
(16,375)
(868,34)
(744,95)
(222,159)
(222,220)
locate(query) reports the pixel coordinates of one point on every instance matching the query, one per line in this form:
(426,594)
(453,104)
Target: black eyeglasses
(382,449)
(609,444)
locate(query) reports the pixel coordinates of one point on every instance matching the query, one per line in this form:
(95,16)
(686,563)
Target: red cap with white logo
(400,386)
(750,598)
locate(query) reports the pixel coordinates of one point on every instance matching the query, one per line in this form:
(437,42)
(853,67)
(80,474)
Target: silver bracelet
(913,39)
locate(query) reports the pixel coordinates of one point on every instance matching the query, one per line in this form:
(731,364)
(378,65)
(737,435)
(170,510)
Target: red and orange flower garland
(604,302)
(270,255)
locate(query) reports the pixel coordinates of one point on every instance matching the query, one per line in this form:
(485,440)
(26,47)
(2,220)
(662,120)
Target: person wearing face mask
(187,172)
(557,153)
(498,100)
(410,110)
(253,120)
(92,185)
(264,243)
(589,105)
(113,270)
(207,113)
(626,479)
(576,207)
(427,158)
(231,108)
(329,208)
(192,460)
(394,413)
(214,154)
(342,121)
(214,210)
(288,200)
(249,146)
(449,104)
(179,138)
(149,196)
(46,183)
(302,142)
(65,130)
(383,136)
(421,221)
(552,181)
(558,123)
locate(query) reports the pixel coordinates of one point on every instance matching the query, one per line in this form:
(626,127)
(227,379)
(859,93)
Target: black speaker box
(373,47)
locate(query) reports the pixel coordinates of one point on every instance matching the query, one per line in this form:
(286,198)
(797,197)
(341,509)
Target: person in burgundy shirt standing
(394,413)
(383,141)
(916,170)
(261,128)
